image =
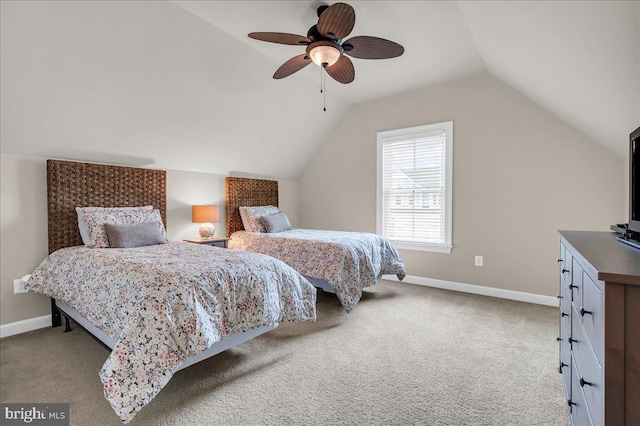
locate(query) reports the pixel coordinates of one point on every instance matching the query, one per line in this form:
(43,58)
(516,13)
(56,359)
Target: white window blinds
(414,188)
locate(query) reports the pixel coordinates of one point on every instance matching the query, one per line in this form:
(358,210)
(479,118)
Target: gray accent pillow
(276,222)
(130,235)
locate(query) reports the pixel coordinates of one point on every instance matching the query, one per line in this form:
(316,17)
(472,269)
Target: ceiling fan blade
(366,47)
(292,65)
(337,21)
(282,38)
(342,71)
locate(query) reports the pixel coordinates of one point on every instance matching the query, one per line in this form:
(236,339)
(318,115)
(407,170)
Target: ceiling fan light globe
(324,55)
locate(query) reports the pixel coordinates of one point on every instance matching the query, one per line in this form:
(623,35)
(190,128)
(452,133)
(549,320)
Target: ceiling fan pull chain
(324,89)
(324,100)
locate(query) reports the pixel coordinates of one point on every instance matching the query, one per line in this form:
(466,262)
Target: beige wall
(23,218)
(519,175)
(23,233)
(187,188)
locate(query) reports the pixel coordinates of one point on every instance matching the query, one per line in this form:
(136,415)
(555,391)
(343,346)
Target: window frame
(397,135)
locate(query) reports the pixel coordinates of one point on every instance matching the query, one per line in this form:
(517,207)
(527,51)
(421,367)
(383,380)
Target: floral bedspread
(162,304)
(348,261)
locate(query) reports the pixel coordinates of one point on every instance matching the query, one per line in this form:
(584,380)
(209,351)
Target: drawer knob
(562,314)
(572,340)
(562,365)
(571,286)
(583,312)
(558,339)
(558,260)
(583,382)
(558,296)
(570,403)
(565,270)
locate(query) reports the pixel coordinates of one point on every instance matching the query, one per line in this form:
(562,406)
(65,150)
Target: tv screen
(634,182)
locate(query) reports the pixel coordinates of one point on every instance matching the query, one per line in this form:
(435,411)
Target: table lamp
(205,214)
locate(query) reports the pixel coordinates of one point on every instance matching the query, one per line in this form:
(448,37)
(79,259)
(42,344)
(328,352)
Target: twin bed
(337,262)
(159,308)
(162,307)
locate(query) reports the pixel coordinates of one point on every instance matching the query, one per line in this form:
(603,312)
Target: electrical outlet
(18,286)
(479,261)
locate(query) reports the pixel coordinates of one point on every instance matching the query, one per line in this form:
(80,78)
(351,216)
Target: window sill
(436,248)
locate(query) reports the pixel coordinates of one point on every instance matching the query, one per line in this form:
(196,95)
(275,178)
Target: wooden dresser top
(612,260)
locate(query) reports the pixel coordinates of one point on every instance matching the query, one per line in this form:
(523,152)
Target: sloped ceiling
(579,60)
(179,85)
(438,44)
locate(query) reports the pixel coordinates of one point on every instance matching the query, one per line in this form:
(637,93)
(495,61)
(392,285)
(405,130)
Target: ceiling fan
(326,48)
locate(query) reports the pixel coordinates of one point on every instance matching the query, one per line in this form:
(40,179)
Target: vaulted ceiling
(179,85)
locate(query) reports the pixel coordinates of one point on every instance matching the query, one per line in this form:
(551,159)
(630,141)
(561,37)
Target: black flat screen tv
(634,184)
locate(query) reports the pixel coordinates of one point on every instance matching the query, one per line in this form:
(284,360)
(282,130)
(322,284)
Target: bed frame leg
(67,327)
(56,318)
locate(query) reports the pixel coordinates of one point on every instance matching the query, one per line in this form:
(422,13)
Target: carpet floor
(406,355)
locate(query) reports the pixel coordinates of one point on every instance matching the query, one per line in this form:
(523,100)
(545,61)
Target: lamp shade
(204,214)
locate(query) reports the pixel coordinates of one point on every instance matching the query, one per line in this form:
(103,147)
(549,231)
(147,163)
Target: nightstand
(215,241)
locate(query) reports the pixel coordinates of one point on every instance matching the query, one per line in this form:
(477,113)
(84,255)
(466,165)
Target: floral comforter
(348,261)
(162,304)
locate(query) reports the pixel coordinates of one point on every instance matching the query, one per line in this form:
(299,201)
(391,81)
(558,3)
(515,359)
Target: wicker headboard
(247,192)
(71,184)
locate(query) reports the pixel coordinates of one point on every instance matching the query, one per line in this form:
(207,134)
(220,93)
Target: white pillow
(97,218)
(82,223)
(244,217)
(252,217)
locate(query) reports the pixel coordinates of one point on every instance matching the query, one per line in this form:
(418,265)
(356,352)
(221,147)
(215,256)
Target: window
(414,187)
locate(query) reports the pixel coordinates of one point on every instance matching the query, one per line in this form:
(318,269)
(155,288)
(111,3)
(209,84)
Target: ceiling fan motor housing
(315,35)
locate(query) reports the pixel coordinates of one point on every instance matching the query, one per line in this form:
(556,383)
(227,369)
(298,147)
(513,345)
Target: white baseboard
(538,299)
(18,327)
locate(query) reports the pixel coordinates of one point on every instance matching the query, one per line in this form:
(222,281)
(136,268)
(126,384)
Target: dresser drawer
(565,306)
(576,283)
(566,264)
(593,318)
(589,373)
(579,411)
(565,359)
